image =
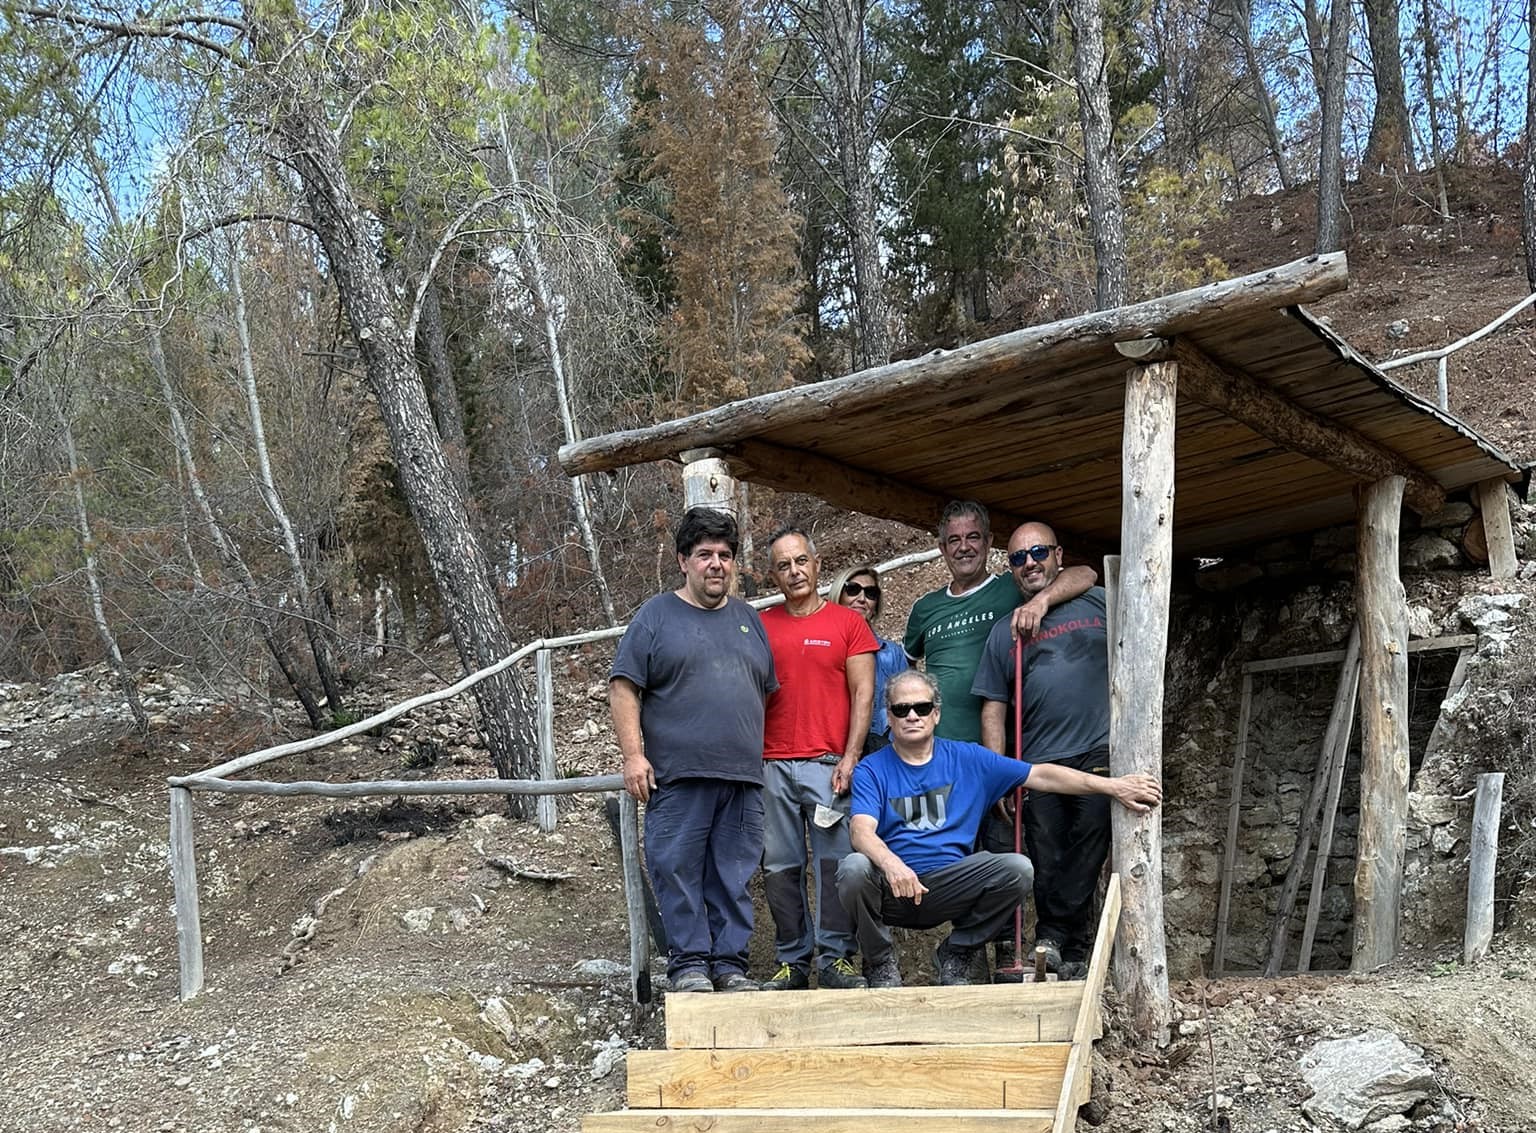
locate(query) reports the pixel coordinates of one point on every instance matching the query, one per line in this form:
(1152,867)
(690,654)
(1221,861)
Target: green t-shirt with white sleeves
(948,634)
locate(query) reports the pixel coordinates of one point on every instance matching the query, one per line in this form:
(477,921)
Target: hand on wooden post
(639,778)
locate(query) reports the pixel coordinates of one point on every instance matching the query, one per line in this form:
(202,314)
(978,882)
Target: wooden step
(876,1077)
(998,1013)
(819,1121)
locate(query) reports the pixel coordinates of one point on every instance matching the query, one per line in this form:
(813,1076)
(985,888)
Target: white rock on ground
(1364,1078)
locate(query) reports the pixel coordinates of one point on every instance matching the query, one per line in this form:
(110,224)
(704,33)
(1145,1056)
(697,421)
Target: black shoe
(787,978)
(840,974)
(953,965)
(885,973)
(1072,970)
(735,981)
(1052,953)
(693,980)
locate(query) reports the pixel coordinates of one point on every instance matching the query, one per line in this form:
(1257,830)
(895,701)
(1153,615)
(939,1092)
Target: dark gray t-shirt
(703,676)
(1066,679)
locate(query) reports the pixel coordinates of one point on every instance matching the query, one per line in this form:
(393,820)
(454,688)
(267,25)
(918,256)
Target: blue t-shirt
(891,659)
(929,815)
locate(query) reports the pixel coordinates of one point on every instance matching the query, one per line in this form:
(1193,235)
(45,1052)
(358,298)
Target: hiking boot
(691,980)
(1072,970)
(788,978)
(840,973)
(953,965)
(735,981)
(1003,959)
(882,973)
(1052,953)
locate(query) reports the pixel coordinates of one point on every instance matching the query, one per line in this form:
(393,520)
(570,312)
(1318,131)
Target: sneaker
(953,965)
(1072,970)
(1052,953)
(735,981)
(692,980)
(840,973)
(883,973)
(789,977)
(1005,969)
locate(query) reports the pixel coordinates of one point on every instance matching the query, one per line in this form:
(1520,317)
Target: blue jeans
(792,790)
(703,840)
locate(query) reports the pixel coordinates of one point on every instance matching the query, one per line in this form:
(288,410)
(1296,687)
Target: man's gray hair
(793,529)
(965,509)
(915,675)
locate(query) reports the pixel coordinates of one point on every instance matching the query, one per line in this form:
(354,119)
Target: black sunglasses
(1039,552)
(922,708)
(853,590)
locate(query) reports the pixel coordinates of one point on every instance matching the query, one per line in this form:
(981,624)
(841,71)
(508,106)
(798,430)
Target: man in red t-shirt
(813,732)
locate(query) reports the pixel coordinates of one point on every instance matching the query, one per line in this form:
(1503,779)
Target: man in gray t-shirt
(1065,705)
(687,689)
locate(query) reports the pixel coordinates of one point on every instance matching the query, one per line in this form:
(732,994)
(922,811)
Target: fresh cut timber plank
(819,1121)
(999,1013)
(873,1077)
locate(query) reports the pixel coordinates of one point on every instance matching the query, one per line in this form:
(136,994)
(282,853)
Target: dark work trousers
(800,808)
(1067,838)
(703,840)
(977,894)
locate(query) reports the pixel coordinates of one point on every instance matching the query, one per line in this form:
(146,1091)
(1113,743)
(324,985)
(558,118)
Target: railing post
(545,807)
(189,928)
(1484,860)
(1443,384)
(634,901)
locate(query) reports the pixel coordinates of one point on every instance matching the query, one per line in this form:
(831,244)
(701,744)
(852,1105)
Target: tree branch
(172,28)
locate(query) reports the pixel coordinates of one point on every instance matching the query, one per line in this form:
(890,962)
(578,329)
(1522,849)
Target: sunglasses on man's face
(1039,552)
(922,708)
(854,589)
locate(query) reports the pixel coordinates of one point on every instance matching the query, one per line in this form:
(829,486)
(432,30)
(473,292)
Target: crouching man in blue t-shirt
(917,806)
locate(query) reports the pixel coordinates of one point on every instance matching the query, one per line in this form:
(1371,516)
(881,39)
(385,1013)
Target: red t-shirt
(808,716)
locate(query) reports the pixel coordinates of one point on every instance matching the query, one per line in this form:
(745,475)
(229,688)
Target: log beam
(1493,502)
(1033,350)
(1246,399)
(1382,611)
(1136,684)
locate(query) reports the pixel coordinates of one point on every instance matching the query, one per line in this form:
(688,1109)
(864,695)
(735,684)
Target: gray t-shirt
(703,676)
(1066,679)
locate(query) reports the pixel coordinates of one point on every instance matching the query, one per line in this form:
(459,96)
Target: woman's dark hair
(701,523)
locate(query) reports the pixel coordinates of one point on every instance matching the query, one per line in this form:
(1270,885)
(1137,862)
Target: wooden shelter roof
(1278,420)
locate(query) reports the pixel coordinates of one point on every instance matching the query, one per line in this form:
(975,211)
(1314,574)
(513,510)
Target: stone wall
(1289,597)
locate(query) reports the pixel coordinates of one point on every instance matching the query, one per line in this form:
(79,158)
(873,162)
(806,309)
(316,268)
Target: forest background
(297,302)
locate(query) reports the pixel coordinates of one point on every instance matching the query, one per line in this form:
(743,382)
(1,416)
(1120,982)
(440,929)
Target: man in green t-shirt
(947,628)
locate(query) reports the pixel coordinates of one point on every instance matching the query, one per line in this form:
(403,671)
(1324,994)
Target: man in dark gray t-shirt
(1065,705)
(687,689)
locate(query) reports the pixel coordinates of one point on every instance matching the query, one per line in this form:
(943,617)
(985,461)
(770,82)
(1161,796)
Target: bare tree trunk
(1528,194)
(844,39)
(93,578)
(314,614)
(458,563)
(1389,148)
(1261,94)
(1101,168)
(1330,164)
(442,390)
(1431,102)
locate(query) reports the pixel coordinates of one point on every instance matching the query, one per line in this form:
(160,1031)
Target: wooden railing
(1443,385)
(217,779)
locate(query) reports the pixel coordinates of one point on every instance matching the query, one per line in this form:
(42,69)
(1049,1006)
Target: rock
(496,1016)
(1392,1123)
(601,969)
(1227,576)
(1421,622)
(1364,1078)
(418,920)
(1430,552)
(1397,329)
(1454,514)
(609,1055)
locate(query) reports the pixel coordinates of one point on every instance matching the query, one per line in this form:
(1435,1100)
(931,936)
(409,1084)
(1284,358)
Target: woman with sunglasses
(858,588)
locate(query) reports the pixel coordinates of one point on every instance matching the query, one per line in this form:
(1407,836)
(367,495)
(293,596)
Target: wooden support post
(1111,605)
(1339,757)
(545,806)
(1382,610)
(1234,810)
(707,480)
(1493,502)
(1485,853)
(1136,683)
(634,901)
(189,926)
(1339,718)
